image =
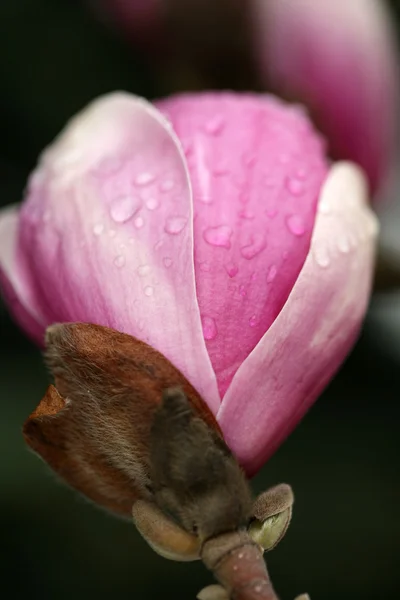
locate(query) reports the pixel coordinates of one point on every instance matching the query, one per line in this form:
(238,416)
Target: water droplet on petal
(251,250)
(249,159)
(246,214)
(322,258)
(221,168)
(231,269)
(143,270)
(253,321)
(123,208)
(139,222)
(167,185)
(175,225)
(343,244)
(167,261)
(215,125)
(324,207)
(272,272)
(218,236)
(98,229)
(242,291)
(204,266)
(240,555)
(144,178)
(295,187)
(295,224)
(119,261)
(148,291)
(206,199)
(210,330)
(152,203)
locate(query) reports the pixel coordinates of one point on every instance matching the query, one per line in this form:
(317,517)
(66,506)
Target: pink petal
(13,285)
(316,328)
(339,58)
(256,167)
(106,233)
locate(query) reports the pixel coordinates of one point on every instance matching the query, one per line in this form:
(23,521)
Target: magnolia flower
(337,57)
(213,228)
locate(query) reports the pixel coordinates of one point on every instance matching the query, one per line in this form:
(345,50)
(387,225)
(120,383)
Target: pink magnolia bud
(211,227)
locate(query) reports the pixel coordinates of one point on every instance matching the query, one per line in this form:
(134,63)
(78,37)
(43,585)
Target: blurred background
(342,461)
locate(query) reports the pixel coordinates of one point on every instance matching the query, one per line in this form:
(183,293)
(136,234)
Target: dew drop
(204,266)
(235,567)
(139,222)
(123,208)
(257,589)
(322,258)
(167,261)
(218,236)
(148,291)
(144,178)
(251,250)
(175,225)
(246,214)
(187,147)
(343,244)
(221,168)
(143,270)
(231,269)
(242,291)
(210,330)
(240,555)
(152,203)
(295,187)
(295,224)
(215,125)
(167,185)
(249,159)
(205,198)
(324,207)
(253,321)
(98,229)
(119,261)
(272,272)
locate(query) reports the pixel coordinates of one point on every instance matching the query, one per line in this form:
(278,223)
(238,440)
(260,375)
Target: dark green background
(343,461)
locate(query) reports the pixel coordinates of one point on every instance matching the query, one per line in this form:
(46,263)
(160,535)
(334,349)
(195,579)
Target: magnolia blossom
(212,227)
(338,57)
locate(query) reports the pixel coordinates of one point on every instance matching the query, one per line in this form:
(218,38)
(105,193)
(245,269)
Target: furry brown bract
(93,426)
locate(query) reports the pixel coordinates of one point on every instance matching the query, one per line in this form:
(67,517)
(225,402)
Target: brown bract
(93,426)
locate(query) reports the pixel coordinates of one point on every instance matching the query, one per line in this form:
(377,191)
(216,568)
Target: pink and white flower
(213,228)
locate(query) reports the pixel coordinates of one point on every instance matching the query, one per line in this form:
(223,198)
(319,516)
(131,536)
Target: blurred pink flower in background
(339,58)
(212,227)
